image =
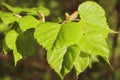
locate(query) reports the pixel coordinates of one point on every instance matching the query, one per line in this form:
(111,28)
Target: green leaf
(36,11)
(81,64)
(46,33)
(25,43)
(94,43)
(56,39)
(73,58)
(30,11)
(17,55)
(28,22)
(70,56)
(69,34)
(55,59)
(16,10)
(68,45)
(8,18)
(10,40)
(95,29)
(44,10)
(92,13)
(53,34)
(3,28)
(88,27)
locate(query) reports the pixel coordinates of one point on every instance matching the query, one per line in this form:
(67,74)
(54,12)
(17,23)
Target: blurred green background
(36,67)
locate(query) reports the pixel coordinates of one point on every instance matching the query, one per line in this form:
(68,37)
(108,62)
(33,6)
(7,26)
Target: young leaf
(92,13)
(56,39)
(16,10)
(55,59)
(8,18)
(81,64)
(55,35)
(29,11)
(69,34)
(3,28)
(94,43)
(10,40)
(44,10)
(70,57)
(36,11)
(28,22)
(46,33)
(89,35)
(73,58)
(68,45)
(95,28)
(17,55)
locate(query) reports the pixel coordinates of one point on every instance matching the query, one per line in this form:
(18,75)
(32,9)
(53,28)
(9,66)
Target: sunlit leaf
(10,40)
(8,18)
(36,11)
(92,13)
(16,10)
(81,64)
(56,39)
(95,29)
(3,28)
(69,44)
(28,22)
(46,33)
(96,44)
(30,11)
